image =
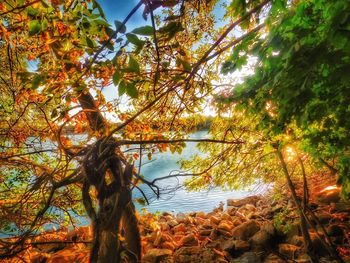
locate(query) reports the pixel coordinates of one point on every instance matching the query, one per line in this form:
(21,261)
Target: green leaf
(102,23)
(36,81)
(121,88)
(144,30)
(97,6)
(186,65)
(34,27)
(119,26)
(131,90)
(44,24)
(171,29)
(116,78)
(90,43)
(110,32)
(109,45)
(117,54)
(134,40)
(133,65)
(32,11)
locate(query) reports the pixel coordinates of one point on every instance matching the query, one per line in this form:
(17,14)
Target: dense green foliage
(301,82)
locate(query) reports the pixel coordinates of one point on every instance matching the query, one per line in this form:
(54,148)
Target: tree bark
(303,225)
(302,213)
(115,210)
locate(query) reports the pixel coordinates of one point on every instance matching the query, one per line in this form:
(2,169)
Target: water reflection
(180,200)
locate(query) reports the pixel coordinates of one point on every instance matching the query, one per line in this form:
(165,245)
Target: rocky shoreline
(250,230)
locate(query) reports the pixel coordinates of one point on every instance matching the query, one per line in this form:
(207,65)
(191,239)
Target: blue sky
(119,9)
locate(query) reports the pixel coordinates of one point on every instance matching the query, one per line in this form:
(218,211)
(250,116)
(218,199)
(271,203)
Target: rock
(267,213)
(194,254)
(253,215)
(206,225)
(261,239)
(181,217)
(192,214)
(199,221)
(323,217)
(231,210)
(69,254)
(317,244)
(226,216)
(340,207)
(156,255)
(158,240)
(241,246)
(189,240)
(205,232)
(35,256)
(201,215)
(296,240)
(304,258)
(214,220)
(80,233)
(162,237)
(51,247)
(173,223)
(228,245)
(250,207)
(244,201)
(236,222)
(179,228)
(260,203)
(288,250)
(247,257)
(335,230)
(293,230)
(224,232)
(329,195)
(290,204)
(225,226)
(178,236)
(169,245)
(271,258)
(214,234)
(277,208)
(246,230)
(269,228)
(165,218)
(167,214)
(164,226)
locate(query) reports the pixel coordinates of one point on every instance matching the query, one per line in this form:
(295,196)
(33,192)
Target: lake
(181,200)
(177,201)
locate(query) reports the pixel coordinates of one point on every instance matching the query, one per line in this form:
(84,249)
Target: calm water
(180,200)
(176,201)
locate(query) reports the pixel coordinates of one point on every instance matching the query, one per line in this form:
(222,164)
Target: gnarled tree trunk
(105,170)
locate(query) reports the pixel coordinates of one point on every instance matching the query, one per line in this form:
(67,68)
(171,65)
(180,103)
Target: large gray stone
(248,257)
(194,254)
(246,230)
(240,202)
(156,255)
(261,239)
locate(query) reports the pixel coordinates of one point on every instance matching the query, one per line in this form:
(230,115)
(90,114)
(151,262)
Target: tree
(300,78)
(59,58)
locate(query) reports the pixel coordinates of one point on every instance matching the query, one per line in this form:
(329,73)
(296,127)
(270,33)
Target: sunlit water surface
(181,200)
